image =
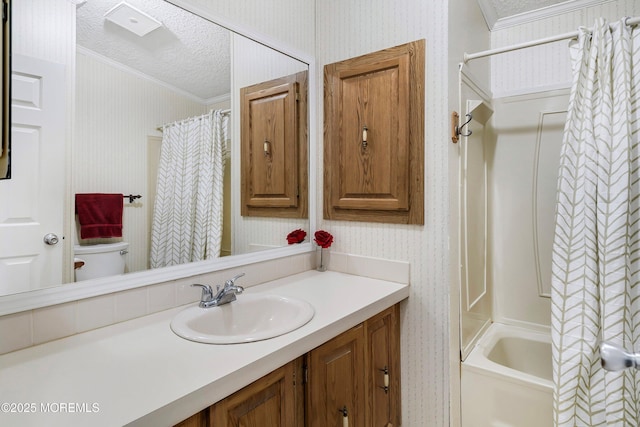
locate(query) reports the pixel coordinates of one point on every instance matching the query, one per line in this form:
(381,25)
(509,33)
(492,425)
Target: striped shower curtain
(596,252)
(187,216)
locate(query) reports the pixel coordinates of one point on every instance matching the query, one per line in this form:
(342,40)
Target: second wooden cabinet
(357,376)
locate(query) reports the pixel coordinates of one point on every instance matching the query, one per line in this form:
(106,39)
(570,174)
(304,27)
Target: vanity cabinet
(201,419)
(383,369)
(274,400)
(355,375)
(374,136)
(336,380)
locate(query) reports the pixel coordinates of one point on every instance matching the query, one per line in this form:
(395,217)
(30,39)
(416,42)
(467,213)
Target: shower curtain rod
(566,36)
(227,111)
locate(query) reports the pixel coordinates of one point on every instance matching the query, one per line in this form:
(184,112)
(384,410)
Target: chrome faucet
(223,296)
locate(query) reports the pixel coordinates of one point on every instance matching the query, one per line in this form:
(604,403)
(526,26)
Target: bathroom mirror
(113,139)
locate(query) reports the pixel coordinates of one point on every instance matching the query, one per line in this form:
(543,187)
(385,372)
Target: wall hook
(456,130)
(459,128)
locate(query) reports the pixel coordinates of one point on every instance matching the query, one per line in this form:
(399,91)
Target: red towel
(100,215)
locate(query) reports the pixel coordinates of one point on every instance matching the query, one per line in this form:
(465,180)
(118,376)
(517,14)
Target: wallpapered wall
(352,28)
(542,66)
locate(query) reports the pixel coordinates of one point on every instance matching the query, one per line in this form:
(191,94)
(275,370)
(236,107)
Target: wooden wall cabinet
(274,150)
(374,136)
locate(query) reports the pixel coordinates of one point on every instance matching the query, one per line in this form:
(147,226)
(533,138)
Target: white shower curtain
(596,251)
(187,216)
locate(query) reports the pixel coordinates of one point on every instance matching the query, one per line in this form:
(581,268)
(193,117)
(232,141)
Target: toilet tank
(101,260)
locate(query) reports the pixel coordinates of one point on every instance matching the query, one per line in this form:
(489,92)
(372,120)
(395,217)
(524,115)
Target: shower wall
(523,160)
(476,292)
(530,96)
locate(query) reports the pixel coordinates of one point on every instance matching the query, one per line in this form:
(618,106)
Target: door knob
(51,239)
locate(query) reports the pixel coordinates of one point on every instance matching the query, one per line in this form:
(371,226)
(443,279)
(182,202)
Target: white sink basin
(249,318)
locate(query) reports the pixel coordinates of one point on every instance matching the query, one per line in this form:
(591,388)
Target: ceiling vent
(132,19)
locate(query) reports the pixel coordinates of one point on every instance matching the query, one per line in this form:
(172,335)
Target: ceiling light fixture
(132,19)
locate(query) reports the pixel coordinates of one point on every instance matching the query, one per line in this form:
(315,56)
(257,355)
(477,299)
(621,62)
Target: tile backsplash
(33,327)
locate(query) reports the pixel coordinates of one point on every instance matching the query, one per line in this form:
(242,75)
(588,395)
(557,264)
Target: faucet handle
(232,281)
(207,293)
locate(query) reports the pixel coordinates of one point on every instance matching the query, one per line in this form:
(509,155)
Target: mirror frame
(74,291)
(5,42)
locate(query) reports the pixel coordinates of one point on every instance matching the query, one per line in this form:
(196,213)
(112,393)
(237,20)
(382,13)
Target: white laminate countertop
(140,373)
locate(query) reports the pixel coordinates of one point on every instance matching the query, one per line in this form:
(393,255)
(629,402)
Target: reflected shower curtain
(596,251)
(187,216)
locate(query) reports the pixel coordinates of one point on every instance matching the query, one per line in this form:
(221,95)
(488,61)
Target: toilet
(105,259)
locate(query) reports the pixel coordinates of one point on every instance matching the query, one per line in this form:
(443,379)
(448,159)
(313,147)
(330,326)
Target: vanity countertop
(140,373)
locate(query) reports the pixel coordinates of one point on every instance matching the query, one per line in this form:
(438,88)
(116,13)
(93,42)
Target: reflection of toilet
(101,260)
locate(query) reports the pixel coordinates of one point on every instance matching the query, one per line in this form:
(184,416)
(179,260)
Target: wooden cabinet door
(336,381)
(374,136)
(274,400)
(201,419)
(383,368)
(274,148)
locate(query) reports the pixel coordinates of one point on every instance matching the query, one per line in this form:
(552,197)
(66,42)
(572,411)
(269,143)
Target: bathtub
(506,381)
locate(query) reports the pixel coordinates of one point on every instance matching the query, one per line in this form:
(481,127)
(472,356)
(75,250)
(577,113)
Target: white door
(32,201)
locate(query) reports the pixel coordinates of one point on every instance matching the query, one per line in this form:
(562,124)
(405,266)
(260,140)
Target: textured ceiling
(506,8)
(192,54)
(187,52)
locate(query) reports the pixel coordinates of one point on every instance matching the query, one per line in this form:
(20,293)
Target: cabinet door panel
(383,359)
(336,381)
(273,400)
(274,148)
(374,136)
(370,177)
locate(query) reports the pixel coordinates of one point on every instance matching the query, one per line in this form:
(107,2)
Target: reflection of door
(31,202)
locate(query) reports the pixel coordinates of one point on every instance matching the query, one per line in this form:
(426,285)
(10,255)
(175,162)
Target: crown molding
(494,23)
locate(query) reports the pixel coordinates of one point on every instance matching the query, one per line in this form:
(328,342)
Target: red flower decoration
(296,236)
(323,239)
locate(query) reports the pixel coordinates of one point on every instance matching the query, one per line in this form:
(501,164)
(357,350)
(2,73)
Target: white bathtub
(507,379)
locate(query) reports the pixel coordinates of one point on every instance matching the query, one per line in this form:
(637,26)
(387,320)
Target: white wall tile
(130,304)
(54,322)
(161,297)
(15,331)
(93,313)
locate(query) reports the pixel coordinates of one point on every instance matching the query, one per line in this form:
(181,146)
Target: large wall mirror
(95,87)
